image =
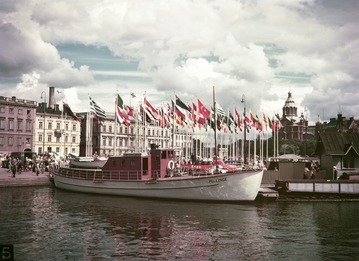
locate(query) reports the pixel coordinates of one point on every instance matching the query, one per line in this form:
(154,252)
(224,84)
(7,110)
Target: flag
(98,113)
(278,122)
(130,111)
(239,121)
(233,122)
(219,110)
(150,110)
(248,123)
(181,109)
(120,116)
(67,110)
(145,115)
(203,110)
(164,121)
(195,114)
(265,121)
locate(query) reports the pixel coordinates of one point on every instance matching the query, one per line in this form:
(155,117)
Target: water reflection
(49,224)
(145,228)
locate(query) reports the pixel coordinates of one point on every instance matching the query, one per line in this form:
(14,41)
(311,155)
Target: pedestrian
(13,163)
(312,174)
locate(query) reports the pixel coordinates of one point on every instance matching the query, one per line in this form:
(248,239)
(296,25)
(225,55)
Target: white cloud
(190,46)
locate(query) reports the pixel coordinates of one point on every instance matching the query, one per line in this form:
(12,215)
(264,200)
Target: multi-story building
(116,139)
(55,131)
(17,119)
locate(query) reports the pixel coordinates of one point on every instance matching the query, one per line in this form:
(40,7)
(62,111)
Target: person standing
(13,162)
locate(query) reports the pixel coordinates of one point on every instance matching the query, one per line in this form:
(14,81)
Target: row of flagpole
(195,118)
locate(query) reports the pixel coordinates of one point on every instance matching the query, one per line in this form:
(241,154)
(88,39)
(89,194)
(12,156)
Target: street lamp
(43,96)
(244,129)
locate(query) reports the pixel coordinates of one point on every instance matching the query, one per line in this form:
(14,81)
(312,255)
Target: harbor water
(44,223)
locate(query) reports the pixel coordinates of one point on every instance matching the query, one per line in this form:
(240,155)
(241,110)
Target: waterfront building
(55,131)
(338,152)
(17,118)
(112,138)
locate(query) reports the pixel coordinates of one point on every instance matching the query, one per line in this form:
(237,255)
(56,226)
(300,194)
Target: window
(2,123)
(49,125)
(40,137)
(1,141)
(73,139)
(109,141)
(104,141)
(57,149)
(10,141)
(19,141)
(28,125)
(74,127)
(104,128)
(110,128)
(11,110)
(27,140)
(28,112)
(2,109)
(11,124)
(58,125)
(19,111)
(348,162)
(67,126)
(58,139)
(49,137)
(66,139)
(19,125)
(41,125)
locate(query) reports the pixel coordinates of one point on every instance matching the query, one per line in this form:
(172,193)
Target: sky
(256,50)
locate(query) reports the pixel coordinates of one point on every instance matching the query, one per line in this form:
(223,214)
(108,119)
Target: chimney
(52,97)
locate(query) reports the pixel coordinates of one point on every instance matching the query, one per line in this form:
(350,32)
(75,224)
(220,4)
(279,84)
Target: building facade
(55,131)
(17,119)
(112,138)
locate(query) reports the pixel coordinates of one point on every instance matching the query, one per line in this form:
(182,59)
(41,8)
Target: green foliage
(298,147)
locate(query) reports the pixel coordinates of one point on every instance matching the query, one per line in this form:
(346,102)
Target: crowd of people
(38,164)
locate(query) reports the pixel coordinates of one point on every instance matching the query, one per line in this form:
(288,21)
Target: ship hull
(240,186)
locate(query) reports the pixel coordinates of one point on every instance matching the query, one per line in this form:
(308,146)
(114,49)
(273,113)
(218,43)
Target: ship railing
(98,175)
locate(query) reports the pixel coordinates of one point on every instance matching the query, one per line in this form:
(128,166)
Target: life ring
(171,164)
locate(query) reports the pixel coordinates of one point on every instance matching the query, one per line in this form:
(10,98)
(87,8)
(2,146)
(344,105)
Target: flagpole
(277,141)
(115,133)
(174,121)
(244,129)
